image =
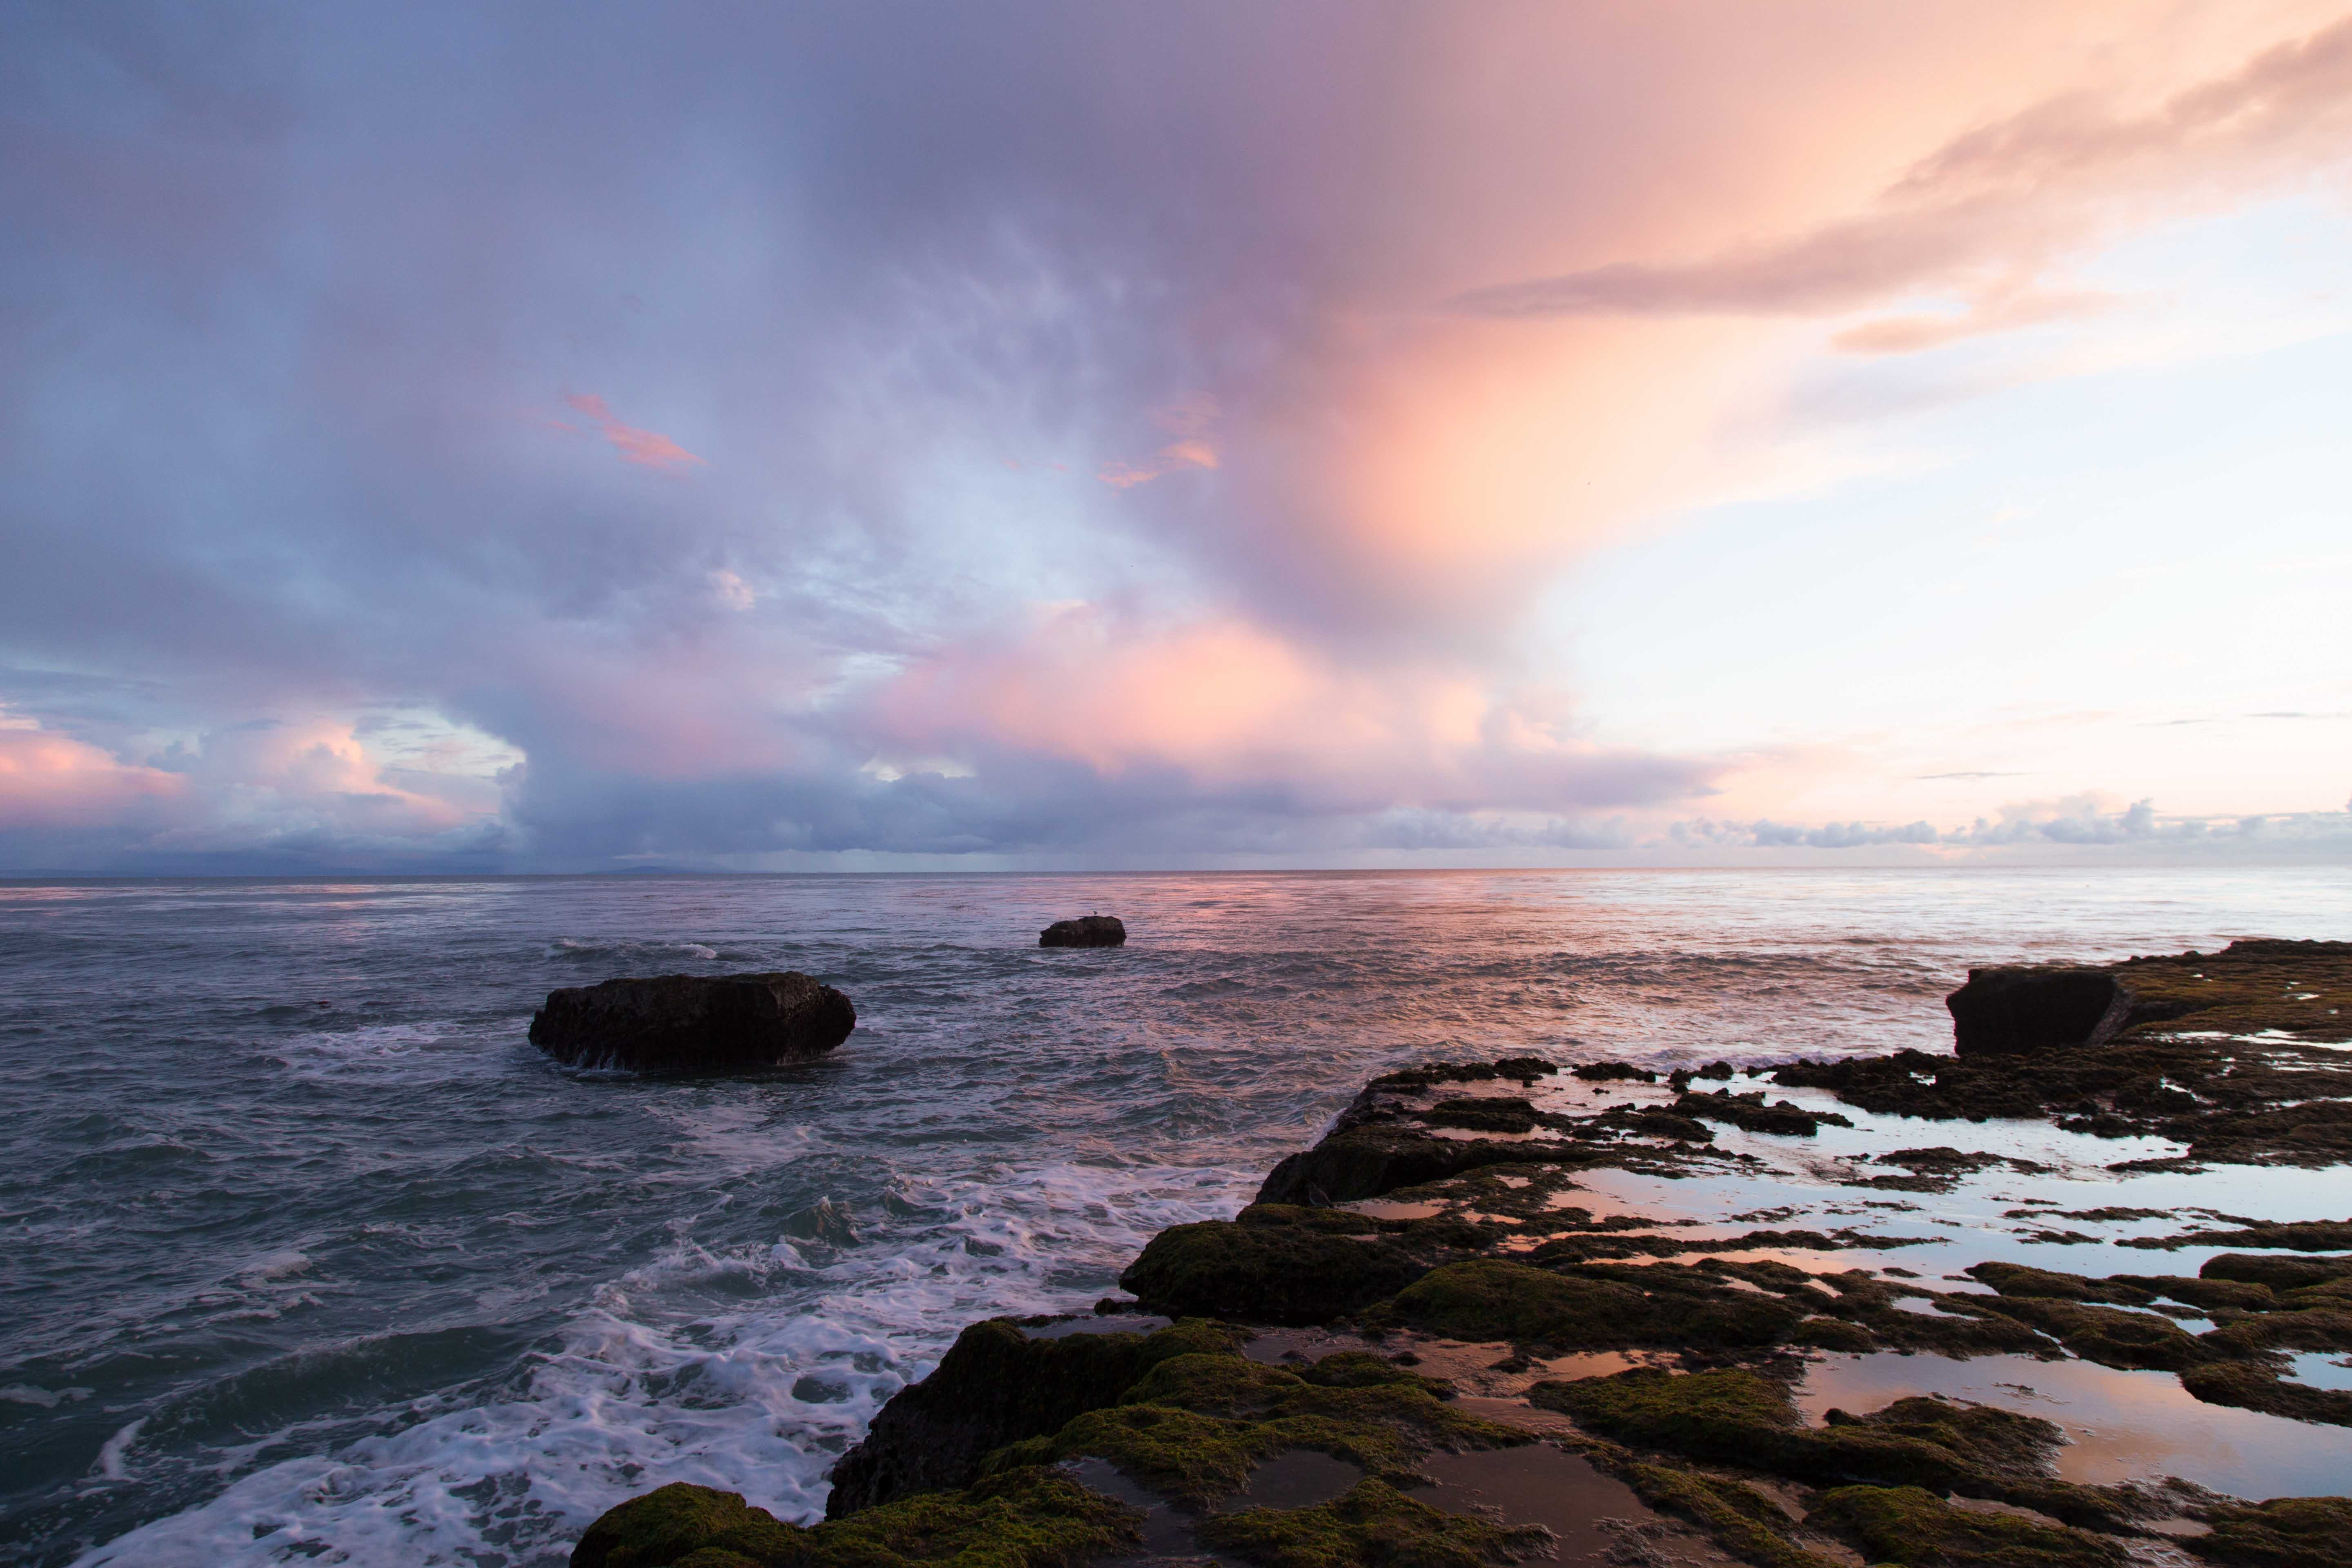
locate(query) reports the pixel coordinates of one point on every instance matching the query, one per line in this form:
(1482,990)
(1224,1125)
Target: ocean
(313,1258)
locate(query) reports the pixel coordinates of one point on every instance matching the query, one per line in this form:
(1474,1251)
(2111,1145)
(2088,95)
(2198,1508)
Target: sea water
(313,1258)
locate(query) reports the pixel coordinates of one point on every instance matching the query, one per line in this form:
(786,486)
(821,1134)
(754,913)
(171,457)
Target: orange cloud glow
(646,449)
(48,780)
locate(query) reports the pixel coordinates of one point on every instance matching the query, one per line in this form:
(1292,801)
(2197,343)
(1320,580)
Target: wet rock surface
(693,1022)
(1087,930)
(1495,1286)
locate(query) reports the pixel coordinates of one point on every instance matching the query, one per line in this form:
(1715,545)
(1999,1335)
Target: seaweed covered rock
(1194,1426)
(1269,1272)
(1750,1113)
(693,1022)
(1022,1519)
(1917,1529)
(1087,930)
(1591,1306)
(996,1385)
(2254,1385)
(1370,1523)
(1369,1160)
(1737,1416)
(2284,1532)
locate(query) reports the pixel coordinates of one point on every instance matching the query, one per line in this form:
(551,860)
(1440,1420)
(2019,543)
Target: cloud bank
(575,436)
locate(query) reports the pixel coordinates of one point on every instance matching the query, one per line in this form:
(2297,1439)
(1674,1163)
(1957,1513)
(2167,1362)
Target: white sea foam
(760,1401)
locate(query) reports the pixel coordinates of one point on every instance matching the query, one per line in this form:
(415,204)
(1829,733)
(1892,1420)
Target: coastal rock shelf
(1497,1287)
(694,1024)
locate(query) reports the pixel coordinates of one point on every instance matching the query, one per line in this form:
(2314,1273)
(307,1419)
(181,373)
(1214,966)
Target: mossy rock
(1488,1299)
(1591,1306)
(1371,1525)
(1482,1113)
(1022,1519)
(1266,1273)
(2109,1335)
(1917,1529)
(2018,1281)
(2284,1532)
(1370,1161)
(1832,1334)
(1736,1416)
(2251,1385)
(2275,1273)
(2297,1329)
(1746,1522)
(996,1385)
(1363,1369)
(1194,1427)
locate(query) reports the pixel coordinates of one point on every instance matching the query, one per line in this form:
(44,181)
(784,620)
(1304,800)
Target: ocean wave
(759,1398)
(622,947)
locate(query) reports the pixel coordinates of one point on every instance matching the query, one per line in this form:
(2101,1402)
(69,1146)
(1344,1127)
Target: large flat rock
(694,1023)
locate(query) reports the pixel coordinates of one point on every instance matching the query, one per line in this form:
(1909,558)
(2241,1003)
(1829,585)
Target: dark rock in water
(997,1385)
(1087,930)
(2256,984)
(2010,1010)
(690,1023)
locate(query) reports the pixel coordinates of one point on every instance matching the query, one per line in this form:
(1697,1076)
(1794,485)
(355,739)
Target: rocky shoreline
(1522,1309)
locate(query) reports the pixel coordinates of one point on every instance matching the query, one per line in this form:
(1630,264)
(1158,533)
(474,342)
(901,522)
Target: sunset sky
(876,435)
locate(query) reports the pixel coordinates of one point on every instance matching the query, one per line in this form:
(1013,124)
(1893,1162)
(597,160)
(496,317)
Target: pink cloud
(1993,208)
(1233,706)
(646,449)
(1189,422)
(48,780)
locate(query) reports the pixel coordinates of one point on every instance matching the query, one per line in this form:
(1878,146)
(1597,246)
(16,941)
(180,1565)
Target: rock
(690,1023)
(1272,1273)
(996,1385)
(2010,1010)
(1087,930)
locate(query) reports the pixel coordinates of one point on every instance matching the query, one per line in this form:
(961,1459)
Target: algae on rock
(1194,1426)
(1032,1518)
(1919,1530)
(997,1385)
(1372,1525)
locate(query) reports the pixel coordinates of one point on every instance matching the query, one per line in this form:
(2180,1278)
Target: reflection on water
(2119,1425)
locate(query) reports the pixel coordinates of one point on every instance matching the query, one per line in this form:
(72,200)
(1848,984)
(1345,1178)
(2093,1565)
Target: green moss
(1024,1518)
(1918,1529)
(1832,1334)
(1372,1525)
(1708,1415)
(996,1385)
(2108,1336)
(2018,1281)
(2309,1329)
(2275,1273)
(1737,1416)
(1264,1272)
(1591,1306)
(1362,1369)
(2251,1385)
(2284,1532)
(1742,1520)
(1488,1299)
(2207,1294)
(1195,1425)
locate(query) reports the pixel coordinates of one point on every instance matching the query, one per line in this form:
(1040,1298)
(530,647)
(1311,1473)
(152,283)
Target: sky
(879,435)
